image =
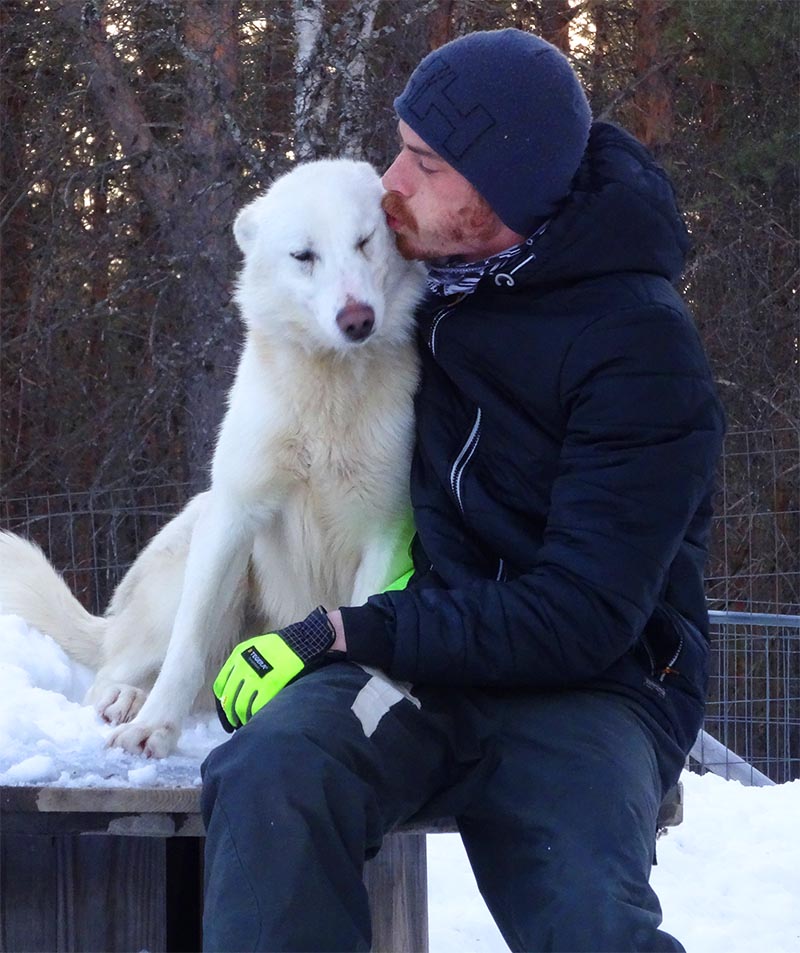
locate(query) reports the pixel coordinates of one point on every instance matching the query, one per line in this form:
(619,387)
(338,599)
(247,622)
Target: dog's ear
(245,227)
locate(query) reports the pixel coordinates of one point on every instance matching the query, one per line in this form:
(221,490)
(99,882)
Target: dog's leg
(216,567)
(141,618)
(121,685)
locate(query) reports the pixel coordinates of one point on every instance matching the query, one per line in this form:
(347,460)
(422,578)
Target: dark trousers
(556,796)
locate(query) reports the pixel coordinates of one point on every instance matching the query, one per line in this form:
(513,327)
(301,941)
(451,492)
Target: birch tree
(331,89)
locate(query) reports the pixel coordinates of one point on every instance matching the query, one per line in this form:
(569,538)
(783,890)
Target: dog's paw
(118,704)
(153,741)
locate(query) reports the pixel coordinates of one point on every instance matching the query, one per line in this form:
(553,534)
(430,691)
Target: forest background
(133,130)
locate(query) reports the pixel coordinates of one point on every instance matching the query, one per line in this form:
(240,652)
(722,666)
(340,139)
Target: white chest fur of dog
(308,502)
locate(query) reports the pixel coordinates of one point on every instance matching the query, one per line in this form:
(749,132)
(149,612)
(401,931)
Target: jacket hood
(621,216)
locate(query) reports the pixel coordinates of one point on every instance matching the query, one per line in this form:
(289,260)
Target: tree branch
(116,100)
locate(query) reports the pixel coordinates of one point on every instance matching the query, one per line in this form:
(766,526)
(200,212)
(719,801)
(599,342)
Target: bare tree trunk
(193,210)
(555,19)
(200,236)
(15,239)
(599,18)
(652,112)
(440,30)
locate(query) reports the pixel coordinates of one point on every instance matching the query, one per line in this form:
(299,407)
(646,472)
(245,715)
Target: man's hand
(260,667)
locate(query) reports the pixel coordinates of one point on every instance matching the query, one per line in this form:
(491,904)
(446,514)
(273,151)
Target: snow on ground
(728,877)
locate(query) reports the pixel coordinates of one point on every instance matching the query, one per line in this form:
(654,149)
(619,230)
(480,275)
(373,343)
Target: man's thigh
(396,749)
(562,836)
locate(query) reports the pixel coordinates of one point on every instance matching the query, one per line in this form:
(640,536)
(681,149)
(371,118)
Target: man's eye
(426,170)
(305,255)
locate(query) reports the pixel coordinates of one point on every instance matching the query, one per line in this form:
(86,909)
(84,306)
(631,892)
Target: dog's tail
(31,588)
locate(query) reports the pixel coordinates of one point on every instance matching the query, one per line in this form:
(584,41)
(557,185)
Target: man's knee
(266,756)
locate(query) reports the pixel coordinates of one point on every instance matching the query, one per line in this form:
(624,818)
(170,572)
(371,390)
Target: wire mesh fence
(755,535)
(753,705)
(92,537)
(754,701)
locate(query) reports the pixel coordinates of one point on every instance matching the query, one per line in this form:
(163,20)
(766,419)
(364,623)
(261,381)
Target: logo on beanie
(436,102)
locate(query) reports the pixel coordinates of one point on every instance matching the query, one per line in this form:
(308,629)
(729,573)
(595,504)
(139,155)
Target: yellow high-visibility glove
(260,667)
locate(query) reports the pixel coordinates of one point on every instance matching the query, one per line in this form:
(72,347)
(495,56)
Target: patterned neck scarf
(462,277)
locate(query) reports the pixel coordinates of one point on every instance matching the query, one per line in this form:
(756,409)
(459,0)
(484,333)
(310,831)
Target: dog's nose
(356,321)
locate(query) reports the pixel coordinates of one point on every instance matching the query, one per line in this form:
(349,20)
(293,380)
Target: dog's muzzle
(356,321)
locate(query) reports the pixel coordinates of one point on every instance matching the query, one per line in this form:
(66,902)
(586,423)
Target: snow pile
(727,877)
(48,736)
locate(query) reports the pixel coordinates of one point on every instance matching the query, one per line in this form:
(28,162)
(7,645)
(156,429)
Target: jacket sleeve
(644,431)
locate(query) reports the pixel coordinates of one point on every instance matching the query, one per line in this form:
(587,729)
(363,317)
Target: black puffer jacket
(568,432)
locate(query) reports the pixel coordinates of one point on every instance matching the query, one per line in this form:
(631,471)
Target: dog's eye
(305,256)
(361,246)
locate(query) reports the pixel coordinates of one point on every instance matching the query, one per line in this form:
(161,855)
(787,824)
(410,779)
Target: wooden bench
(137,883)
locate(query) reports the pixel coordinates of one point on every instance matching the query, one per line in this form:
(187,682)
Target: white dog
(308,502)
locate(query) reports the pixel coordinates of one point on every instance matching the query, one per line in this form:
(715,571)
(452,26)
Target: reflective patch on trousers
(377,697)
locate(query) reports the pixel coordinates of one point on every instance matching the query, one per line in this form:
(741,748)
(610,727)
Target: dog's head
(320,265)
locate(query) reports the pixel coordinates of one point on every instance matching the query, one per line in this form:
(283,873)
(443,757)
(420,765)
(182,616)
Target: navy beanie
(506,110)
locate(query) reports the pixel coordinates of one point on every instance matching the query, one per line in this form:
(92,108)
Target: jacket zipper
(467,451)
(677,624)
(448,309)
(501,571)
(668,669)
(457,470)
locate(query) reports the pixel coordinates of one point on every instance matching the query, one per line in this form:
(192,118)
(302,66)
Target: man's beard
(393,204)
(476,220)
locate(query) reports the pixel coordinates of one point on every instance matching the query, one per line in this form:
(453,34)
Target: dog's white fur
(308,501)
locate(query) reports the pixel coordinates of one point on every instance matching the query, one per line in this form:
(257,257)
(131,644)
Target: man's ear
(245,227)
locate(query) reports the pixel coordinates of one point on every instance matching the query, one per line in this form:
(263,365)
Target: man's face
(434,210)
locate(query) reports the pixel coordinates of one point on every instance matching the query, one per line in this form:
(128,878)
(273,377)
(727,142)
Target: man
(554,634)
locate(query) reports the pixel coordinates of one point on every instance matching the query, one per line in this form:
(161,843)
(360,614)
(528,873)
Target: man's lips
(398,217)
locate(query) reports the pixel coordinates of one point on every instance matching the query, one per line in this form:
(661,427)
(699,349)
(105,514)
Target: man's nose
(392,180)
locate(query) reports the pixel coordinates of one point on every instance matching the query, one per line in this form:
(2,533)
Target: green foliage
(739,85)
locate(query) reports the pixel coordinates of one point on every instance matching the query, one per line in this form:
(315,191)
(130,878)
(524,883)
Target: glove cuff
(310,639)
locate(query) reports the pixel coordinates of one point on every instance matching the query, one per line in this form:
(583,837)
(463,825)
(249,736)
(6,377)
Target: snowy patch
(48,736)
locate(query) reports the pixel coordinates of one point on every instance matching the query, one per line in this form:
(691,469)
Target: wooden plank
(119,825)
(52,799)
(28,895)
(670,814)
(129,812)
(135,812)
(119,893)
(397,882)
(169,812)
(80,893)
